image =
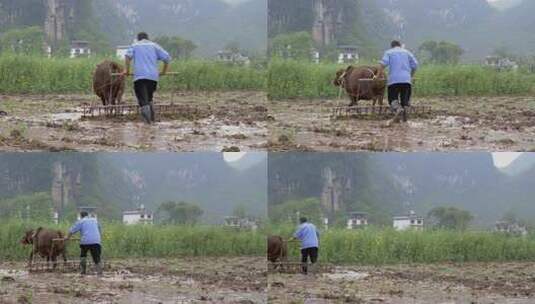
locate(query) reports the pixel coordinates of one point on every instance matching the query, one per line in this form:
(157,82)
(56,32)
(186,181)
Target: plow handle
(166,74)
(59,240)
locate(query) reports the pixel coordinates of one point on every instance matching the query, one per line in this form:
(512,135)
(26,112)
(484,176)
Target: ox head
(27,239)
(341,74)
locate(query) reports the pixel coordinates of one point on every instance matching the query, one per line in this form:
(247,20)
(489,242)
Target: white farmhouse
(120,51)
(241,223)
(91,211)
(511,228)
(138,216)
(80,48)
(410,221)
(348,54)
(233,58)
(357,220)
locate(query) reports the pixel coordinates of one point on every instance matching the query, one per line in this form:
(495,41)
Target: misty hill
(210,24)
(477,26)
(115,182)
(387,184)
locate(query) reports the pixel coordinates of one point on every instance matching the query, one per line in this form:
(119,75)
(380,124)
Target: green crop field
(378,247)
(38,75)
(120,241)
(288,79)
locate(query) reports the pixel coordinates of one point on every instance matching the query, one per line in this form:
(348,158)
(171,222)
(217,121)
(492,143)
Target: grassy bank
(38,75)
(379,247)
(122,241)
(293,79)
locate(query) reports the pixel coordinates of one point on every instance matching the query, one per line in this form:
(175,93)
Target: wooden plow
(375,112)
(61,267)
(96,111)
(69,266)
(296,267)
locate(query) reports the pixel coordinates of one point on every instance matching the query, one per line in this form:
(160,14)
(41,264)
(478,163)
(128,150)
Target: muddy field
(215,122)
(188,280)
(455,124)
(510,283)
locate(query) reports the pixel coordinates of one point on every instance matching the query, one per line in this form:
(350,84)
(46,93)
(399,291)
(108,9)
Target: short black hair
(395,43)
(83,214)
(303,220)
(142,36)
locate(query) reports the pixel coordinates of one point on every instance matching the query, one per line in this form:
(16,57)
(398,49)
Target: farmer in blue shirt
(402,66)
(145,54)
(309,237)
(90,240)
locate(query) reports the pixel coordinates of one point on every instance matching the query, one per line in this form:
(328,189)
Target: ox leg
(354,101)
(103,99)
(54,262)
(30,260)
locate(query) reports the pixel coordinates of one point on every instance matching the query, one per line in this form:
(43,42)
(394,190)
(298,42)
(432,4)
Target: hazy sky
(503,159)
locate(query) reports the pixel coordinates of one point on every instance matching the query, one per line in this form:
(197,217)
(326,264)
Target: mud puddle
(456,124)
(189,280)
(482,283)
(213,122)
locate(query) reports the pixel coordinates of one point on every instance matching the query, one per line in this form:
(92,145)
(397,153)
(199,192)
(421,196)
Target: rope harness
(342,81)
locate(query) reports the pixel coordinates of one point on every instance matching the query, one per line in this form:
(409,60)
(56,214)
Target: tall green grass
(289,79)
(120,241)
(37,75)
(378,247)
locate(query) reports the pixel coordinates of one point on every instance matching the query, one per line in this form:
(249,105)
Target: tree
(27,41)
(240,211)
(509,217)
(450,218)
(290,211)
(177,47)
(294,45)
(233,46)
(441,52)
(181,213)
(36,206)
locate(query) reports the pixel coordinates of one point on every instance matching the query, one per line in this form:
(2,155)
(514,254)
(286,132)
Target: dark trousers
(145,89)
(401,92)
(311,252)
(94,249)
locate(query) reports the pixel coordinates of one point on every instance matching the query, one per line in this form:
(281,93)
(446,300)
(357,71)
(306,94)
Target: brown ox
(108,87)
(351,78)
(43,243)
(277,249)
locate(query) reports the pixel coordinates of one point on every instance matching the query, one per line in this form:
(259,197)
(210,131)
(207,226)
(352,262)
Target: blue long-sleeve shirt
(145,54)
(308,235)
(401,63)
(89,230)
